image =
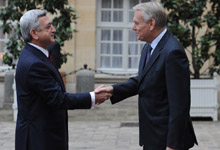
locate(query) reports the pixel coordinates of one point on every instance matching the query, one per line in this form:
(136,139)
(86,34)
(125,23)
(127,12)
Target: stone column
(85,80)
(8,91)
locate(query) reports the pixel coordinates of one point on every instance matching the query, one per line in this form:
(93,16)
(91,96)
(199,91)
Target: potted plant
(10,16)
(196,24)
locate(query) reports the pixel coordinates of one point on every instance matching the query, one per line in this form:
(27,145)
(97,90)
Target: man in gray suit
(162,84)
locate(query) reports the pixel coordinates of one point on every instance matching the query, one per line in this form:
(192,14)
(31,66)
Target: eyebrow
(136,22)
(48,25)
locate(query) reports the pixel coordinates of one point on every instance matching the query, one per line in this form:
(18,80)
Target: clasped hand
(102,93)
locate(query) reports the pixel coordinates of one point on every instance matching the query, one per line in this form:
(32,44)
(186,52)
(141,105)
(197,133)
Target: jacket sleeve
(124,90)
(178,89)
(43,81)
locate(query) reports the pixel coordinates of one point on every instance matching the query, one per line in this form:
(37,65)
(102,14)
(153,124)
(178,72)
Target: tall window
(3,37)
(118,49)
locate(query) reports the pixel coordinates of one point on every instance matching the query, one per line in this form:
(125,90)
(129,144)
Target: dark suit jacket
(54,50)
(42,122)
(163,87)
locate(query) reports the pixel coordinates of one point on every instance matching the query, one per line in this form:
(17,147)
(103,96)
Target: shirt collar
(45,51)
(157,39)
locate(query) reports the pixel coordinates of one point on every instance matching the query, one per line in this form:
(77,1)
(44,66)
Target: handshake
(102,93)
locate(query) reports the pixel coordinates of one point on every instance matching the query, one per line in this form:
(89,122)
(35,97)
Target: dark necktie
(51,58)
(149,49)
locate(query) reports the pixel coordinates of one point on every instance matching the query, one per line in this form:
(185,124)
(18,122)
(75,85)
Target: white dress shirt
(157,40)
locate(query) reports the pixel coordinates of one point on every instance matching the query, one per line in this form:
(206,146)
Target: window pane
(117,48)
(117,35)
(117,62)
(133,49)
(131,16)
(113,26)
(118,16)
(118,3)
(106,16)
(133,3)
(106,3)
(133,62)
(105,35)
(105,48)
(132,36)
(105,62)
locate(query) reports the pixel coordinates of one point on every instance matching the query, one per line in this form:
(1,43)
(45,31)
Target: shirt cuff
(92,94)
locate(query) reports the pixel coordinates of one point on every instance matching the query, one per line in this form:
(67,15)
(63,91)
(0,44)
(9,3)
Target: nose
(134,27)
(53,29)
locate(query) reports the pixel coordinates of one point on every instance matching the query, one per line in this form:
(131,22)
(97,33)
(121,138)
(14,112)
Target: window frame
(125,26)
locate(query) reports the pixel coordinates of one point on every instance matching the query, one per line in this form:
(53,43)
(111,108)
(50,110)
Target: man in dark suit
(163,84)
(42,122)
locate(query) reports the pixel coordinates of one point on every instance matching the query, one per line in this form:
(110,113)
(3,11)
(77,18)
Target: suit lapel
(153,58)
(142,59)
(42,56)
(57,73)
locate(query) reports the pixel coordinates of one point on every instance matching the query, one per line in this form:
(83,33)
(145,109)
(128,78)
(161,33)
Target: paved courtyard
(113,135)
(108,127)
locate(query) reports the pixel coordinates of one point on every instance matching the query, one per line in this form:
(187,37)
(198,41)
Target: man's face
(46,35)
(141,27)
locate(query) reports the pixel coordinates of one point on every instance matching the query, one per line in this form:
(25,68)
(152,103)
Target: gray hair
(153,10)
(30,21)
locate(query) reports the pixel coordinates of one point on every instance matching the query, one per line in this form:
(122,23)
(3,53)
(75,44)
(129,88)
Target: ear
(152,24)
(34,34)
